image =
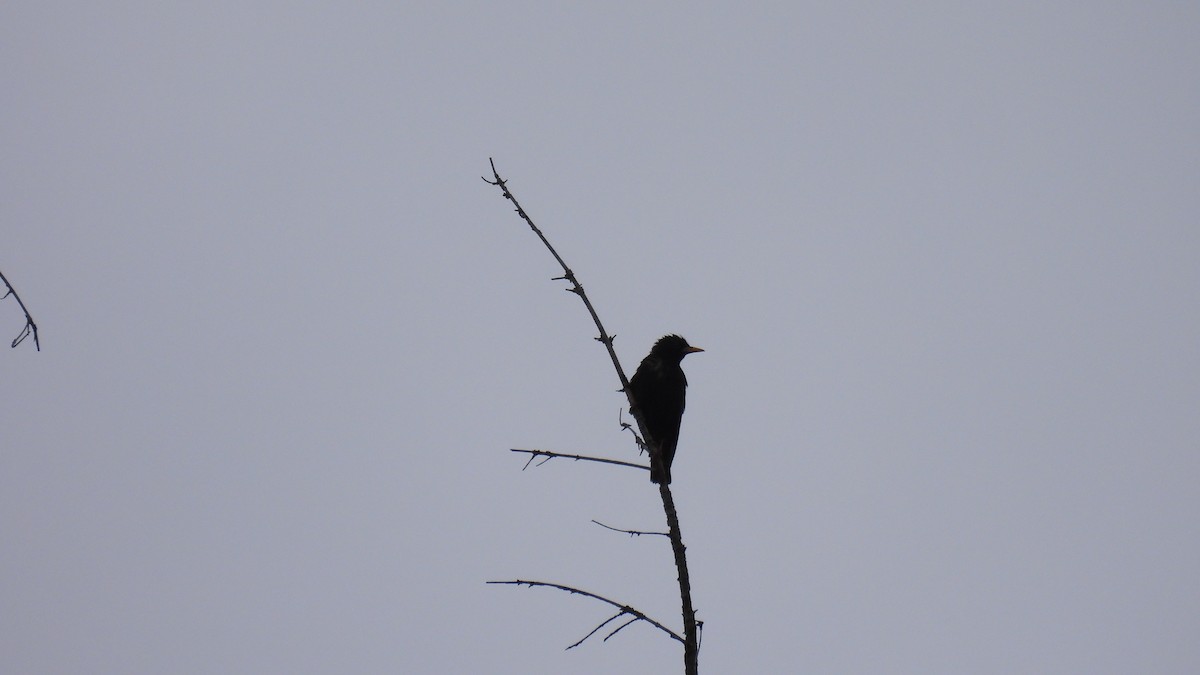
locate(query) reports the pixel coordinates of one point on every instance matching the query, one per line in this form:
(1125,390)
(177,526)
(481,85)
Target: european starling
(659,388)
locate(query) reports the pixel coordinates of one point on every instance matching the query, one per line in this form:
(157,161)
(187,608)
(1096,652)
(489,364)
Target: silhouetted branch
(625,609)
(551,455)
(577,289)
(619,628)
(632,533)
(606,622)
(691,647)
(592,632)
(568,275)
(691,644)
(30,326)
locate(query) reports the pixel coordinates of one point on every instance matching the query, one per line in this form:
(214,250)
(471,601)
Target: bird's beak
(693,350)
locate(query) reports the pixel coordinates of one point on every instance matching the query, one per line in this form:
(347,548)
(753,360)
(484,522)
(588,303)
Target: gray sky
(945,261)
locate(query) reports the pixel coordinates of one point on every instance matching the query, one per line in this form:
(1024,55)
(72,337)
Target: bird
(659,388)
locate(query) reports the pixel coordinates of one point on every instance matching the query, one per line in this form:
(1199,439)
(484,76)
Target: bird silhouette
(659,389)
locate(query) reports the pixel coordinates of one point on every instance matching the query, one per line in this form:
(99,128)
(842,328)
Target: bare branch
(691,648)
(619,629)
(607,621)
(691,645)
(30,327)
(632,533)
(551,455)
(568,276)
(625,609)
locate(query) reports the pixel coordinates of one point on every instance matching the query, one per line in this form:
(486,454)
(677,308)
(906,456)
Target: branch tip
(623,609)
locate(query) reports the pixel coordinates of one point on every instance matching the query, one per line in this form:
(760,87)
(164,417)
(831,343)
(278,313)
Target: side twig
(626,610)
(30,327)
(592,632)
(551,455)
(632,533)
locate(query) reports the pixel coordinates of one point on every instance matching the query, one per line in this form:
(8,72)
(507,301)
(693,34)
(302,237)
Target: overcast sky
(944,259)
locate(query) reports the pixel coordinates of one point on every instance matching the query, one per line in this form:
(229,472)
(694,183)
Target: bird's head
(673,348)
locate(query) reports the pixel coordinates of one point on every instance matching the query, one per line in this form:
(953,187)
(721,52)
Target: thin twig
(632,533)
(551,455)
(626,609)
(568,275)
(30,326)
(619,629)
(607,621)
